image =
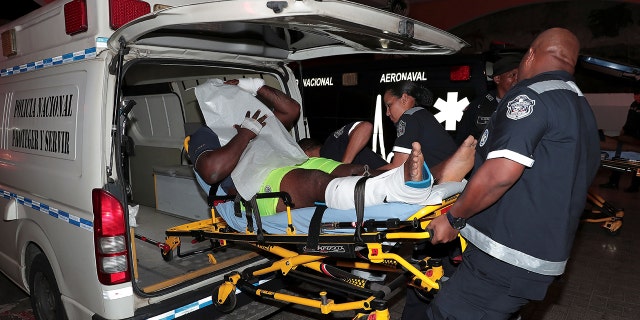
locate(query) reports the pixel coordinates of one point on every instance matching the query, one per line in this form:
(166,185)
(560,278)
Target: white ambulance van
(97,99)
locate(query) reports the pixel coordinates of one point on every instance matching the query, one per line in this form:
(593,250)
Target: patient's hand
(253,123)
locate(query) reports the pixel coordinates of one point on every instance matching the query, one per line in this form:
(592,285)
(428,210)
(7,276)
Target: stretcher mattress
(277,223)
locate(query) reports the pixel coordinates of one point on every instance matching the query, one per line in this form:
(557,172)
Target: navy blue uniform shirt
(418,124)
(545,124)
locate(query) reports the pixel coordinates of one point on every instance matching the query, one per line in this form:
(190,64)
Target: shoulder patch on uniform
(520,107)
(338,132)
(483,139)
(401,128)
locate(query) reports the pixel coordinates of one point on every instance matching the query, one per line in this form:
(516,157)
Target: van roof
(278,30)
(292,30)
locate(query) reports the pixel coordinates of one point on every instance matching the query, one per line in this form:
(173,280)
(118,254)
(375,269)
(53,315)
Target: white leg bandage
(389,186)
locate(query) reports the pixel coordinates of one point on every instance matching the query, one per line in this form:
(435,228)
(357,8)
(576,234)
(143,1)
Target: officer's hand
(252,124)
(442,231)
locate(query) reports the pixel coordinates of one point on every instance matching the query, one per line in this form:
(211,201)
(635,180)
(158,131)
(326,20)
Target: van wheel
(45,295)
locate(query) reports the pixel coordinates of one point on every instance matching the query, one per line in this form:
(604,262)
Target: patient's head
(311,147)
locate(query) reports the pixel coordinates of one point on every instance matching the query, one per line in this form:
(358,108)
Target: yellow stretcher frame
(424,275)
(605,213)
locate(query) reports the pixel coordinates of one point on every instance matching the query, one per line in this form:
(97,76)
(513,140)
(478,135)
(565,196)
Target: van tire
(45,295)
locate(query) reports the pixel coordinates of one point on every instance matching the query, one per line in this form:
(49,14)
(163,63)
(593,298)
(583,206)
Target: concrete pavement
(14,303)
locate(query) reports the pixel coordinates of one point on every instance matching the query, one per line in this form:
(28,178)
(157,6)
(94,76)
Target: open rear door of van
(284,30)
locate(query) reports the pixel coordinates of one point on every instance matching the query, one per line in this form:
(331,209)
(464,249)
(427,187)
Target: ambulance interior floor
(601,280)
(153,270)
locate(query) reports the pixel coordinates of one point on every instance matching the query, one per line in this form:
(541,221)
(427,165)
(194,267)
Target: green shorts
(267,206)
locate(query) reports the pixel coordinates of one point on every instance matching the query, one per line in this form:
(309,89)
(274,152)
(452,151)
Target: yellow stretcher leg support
(325,305)
(227,288)
(376,255)
(291,260)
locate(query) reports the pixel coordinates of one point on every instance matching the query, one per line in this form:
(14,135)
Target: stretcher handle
(286,198)
(431,233)
(223,197)
(213,199)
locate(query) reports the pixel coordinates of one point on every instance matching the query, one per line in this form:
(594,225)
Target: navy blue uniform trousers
(486,288)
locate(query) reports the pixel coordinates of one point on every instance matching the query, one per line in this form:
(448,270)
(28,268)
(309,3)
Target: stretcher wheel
(228,305)
(168,256)
(425,296)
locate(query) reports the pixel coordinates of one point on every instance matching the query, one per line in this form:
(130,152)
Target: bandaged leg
(387,187)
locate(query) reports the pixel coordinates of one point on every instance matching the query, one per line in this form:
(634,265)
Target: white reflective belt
(512,256)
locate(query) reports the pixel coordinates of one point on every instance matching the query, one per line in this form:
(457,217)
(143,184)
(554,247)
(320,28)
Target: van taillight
(123,11)
(75,17)
(110,238)
(460,73)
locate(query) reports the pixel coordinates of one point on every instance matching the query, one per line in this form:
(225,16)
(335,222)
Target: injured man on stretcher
(246,148)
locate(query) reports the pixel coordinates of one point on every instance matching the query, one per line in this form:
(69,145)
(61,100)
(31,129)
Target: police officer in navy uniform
(479,111)
(406,103)
(521,207)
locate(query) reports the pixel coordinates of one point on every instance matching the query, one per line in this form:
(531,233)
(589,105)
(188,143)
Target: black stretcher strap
(358,198)
(237,208)
(256,215)
(212,194)
(315,226)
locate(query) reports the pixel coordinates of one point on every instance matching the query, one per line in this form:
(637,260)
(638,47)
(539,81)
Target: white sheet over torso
(224,106)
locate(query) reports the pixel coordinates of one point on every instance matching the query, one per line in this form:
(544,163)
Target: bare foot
(413,165)
(456,167)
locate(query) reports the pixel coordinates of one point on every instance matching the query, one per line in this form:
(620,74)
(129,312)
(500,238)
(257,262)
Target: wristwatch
(456,223)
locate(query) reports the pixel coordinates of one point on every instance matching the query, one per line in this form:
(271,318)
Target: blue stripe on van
(173,314)
(196,305)
(48,62)
(46,209)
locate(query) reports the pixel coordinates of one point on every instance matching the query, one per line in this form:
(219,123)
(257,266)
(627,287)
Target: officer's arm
(358,139)
(398,159)
(490,182)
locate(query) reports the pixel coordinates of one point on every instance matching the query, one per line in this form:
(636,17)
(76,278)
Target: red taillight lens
(110,238)
(123,11)
(460,73)
(75,17)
